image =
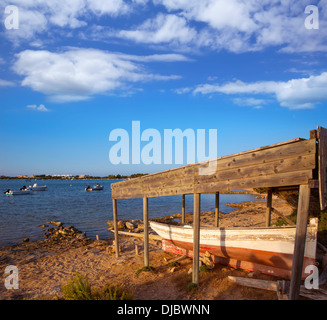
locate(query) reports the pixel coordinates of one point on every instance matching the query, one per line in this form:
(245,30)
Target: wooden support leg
(114,205)
(183,208)
(146,231)
(196,238)
(301,230)
(269,207)
(217,210)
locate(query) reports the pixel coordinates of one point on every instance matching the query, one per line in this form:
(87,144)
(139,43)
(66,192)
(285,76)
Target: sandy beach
(45,265)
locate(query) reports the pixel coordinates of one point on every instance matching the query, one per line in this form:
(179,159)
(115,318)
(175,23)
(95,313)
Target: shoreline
(45,265)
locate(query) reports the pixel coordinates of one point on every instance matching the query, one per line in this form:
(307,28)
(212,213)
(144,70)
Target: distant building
(83,176)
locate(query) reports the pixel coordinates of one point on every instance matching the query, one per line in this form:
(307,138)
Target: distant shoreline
(70,177)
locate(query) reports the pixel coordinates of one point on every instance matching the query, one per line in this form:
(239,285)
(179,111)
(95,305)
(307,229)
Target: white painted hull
(271,248)
(18,193)
(38,188)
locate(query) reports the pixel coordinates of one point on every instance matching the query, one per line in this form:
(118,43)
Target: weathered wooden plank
(299,163)
(274,180)
(261,168)
(268,210)
(183,208)
(138,235)
(114,206)
(300,148)
(196,238)
(254,283)
(301,230)
(256,156)
(146,231)
(322,166)
(282,179)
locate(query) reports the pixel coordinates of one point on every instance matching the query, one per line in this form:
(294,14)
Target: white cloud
(234,25)
(182,90)
(162,29)
(5,83)
(301,93)
(40,108)
(250,102)
(252,25)
(37,17)
(76,74)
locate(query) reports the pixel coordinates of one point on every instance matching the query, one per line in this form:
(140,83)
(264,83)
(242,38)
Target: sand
(45,266)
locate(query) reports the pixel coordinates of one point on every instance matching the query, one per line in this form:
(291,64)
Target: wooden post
(269,207)
(183,208)
(196,238)
(299,245)
(146,231)
(217,210)
(114,205)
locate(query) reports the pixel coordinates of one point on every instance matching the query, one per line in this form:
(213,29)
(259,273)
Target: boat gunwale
(310,225)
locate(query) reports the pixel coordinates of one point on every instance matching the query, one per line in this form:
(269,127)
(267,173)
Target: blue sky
(75,70)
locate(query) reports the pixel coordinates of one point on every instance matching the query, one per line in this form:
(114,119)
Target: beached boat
(35,187)
(17,193)
(268,250)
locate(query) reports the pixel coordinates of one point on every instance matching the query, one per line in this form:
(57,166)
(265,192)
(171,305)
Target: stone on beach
(55,223)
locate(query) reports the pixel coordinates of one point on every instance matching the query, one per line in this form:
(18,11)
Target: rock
(110,224)
(121,225)
(81,236)
(55,223)
(129,225)
(207,260)
(43,226)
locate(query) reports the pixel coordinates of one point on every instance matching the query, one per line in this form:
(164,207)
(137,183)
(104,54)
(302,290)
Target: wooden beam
(217,209)
(146,231)
(196,238)
(269,207)
(322,166)
(277,166)
(183,208)
(114,205)
(254,283)
(290,222)
(138,235)
(299,245)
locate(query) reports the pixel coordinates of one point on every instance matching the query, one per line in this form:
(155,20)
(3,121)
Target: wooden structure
(294,164)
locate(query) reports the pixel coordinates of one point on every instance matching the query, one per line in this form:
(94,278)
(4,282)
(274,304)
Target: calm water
(68,202)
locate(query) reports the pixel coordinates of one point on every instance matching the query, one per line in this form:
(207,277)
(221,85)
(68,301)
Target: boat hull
(40,188)
(18,193)
(268,250)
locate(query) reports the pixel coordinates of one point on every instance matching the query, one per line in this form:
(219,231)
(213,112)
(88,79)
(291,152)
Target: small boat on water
(97,187)
(22,191)
(35,187)
(268,250)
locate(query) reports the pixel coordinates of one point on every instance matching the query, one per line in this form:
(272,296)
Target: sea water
(68,202)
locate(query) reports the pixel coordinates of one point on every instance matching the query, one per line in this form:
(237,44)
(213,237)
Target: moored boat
(97,187)
(268,250)
(17,193)
(35,187)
